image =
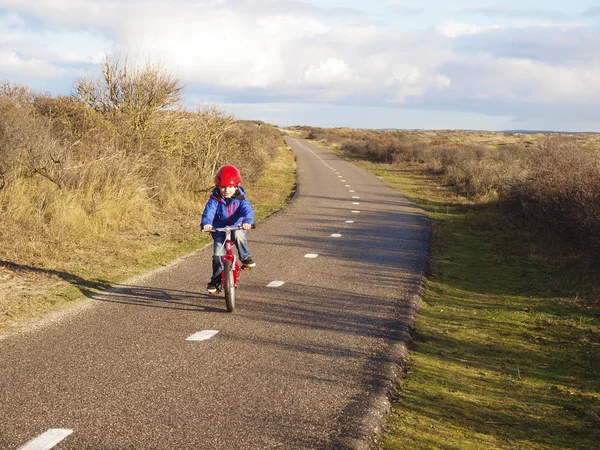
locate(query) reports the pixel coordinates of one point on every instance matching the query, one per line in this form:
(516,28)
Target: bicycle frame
(229,256)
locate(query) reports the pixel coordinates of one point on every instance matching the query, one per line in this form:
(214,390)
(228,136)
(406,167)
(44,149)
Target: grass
(28,292)
(506,350)
(275,187)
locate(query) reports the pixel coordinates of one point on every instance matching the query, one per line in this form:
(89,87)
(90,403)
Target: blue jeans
(239,238)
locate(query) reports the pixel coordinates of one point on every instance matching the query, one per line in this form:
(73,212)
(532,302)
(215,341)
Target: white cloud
(454,29)
(286,50)
(13,64)
(410,81)
(527,82)
(327,72)
(551,84)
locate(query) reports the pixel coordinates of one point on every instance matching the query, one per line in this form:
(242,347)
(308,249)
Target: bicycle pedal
(246,268)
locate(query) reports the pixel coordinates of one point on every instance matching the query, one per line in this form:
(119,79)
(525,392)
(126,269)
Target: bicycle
(231,267)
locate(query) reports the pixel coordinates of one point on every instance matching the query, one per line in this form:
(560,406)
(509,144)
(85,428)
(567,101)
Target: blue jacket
(220,212)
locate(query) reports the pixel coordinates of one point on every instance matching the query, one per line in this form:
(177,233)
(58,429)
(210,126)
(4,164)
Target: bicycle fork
(235,266)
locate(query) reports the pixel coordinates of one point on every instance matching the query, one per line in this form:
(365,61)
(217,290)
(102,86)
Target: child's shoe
(213,288)
(248,262)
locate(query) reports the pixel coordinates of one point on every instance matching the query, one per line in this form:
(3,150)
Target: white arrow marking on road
(202,335)
(47,440)
(275,283)
(311,255)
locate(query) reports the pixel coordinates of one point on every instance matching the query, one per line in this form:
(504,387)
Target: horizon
(447,129)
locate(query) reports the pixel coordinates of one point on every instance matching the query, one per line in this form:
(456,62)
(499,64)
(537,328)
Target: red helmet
(228,176)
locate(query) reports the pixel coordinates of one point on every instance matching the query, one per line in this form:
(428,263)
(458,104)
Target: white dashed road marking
(47,440)
(355,212)
(349,221)
(275,283)
(351,190)
(311,255)
(356,203)
(318,157)
(336,235)
(202,335)
(355,196)
(347,185)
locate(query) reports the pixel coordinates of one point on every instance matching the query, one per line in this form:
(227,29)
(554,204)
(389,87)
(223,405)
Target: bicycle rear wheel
(228,286)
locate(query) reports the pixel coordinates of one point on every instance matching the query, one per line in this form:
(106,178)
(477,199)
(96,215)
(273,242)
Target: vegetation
(551,181)
(506,350)
(111,180)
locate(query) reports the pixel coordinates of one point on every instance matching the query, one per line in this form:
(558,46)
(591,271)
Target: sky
(480,65)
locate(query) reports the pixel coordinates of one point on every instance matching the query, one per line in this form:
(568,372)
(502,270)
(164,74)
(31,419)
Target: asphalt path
(305,364)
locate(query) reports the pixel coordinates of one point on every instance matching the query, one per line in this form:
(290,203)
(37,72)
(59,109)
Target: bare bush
(26,141)
(18,94)
(561,190)
(213,138)
(254,148)
(74,122)
(136,91)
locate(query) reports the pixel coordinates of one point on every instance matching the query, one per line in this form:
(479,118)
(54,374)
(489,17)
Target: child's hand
(207,227)
(246,226)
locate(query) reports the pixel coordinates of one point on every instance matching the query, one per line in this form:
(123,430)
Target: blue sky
(483,65)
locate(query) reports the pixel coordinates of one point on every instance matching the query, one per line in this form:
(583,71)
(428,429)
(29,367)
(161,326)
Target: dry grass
(91,193)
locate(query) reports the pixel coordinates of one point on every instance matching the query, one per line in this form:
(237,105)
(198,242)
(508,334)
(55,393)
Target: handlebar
(227,228)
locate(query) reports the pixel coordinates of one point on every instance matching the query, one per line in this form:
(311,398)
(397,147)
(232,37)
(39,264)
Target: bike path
(306,364)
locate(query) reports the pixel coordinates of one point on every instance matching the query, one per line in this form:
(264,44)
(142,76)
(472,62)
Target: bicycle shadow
(85,286)
(105,291)
(161,298)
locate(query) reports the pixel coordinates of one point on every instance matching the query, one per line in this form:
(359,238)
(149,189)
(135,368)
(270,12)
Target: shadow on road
(105,291)
(155,297)
(86,287)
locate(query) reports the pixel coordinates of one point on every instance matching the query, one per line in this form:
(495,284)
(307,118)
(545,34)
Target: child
(227,205)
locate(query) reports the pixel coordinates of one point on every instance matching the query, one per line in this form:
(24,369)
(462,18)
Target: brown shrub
(72,121)
(129,92)
(561,190)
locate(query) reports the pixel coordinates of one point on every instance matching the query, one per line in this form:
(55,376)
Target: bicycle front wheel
(228,286)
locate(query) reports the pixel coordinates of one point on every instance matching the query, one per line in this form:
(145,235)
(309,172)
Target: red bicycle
(231,267)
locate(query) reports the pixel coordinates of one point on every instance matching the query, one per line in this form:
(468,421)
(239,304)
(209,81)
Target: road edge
(365,432)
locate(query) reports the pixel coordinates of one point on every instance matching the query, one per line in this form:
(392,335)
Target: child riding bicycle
(227,206)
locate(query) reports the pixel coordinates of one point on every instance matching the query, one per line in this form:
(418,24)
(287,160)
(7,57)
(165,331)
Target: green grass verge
(167,239)
(505,354)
